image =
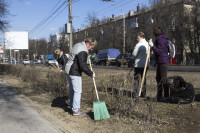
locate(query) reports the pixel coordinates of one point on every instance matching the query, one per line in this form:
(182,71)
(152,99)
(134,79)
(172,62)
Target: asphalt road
(171,68)
(18,117)
(180,68)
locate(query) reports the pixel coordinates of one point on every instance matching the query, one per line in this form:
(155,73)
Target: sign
(16,40)
(67,28)
(1,49)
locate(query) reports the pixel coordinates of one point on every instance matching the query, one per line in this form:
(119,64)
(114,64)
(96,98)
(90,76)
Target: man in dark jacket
(77,63)
(161,49)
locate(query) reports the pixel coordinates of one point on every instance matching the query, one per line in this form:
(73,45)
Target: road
(18,117)
(180,68)
(171,68)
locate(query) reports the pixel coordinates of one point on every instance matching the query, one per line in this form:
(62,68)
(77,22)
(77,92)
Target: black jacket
(62,61)
(77,62)
(80,65)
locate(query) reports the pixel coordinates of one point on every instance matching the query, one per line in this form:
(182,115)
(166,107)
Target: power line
(44,28)
(50,21)
(47,18)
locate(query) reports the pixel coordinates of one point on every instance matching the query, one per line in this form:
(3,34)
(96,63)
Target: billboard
(16,40)
(1,49)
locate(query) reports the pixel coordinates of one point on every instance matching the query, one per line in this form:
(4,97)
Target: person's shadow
(61,102)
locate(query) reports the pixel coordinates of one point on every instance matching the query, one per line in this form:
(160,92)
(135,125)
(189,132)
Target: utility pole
(70,22)
(124,34)
(35,51)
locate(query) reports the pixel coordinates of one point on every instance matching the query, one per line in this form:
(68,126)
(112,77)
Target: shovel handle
(144,72)
(93,78)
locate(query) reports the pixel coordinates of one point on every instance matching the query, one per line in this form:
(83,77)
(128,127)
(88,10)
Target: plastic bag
(181,92)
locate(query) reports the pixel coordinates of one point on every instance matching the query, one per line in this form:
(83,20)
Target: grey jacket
(77,62)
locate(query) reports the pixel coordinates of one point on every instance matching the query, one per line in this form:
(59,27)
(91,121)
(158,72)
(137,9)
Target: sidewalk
(18,117)
(181,68)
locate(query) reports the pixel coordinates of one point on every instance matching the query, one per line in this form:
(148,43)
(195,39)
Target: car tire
(118,64)
(104,63)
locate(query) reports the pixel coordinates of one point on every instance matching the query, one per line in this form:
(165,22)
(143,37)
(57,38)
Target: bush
(40,80)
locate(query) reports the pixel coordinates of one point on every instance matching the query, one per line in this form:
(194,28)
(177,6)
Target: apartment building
(180,20)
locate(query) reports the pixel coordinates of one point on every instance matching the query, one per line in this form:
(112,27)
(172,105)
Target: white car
(39,61)
(26,61)
(50,61)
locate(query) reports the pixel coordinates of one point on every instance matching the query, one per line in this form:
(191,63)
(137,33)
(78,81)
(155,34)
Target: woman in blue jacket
(160,48)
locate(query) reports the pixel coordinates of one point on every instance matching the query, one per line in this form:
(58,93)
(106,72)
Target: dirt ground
(159,117)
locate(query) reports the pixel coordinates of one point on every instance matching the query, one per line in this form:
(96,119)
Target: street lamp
(124,30)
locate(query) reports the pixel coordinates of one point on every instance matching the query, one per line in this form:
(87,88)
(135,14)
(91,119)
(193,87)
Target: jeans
(138,72)
(75,90)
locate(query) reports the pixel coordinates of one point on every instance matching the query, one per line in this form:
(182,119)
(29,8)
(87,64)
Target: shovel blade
(100,111)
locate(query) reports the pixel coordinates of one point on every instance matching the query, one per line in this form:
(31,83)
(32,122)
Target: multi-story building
(180,19)
(59,37)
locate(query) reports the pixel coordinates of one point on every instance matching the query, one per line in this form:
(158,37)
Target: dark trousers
(161,77)
(138,72)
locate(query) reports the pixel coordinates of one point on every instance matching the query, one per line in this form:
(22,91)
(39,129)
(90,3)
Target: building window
(151,18)
(101,31)
(134,22)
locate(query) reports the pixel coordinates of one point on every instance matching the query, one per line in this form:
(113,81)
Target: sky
(44,17)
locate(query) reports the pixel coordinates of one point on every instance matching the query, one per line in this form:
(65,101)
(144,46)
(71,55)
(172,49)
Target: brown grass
(111,90)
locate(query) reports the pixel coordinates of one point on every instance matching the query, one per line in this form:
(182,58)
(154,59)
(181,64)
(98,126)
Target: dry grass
(116,94)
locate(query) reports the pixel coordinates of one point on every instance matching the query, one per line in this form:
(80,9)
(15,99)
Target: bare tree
(3,13)
(63,42)
(91,19)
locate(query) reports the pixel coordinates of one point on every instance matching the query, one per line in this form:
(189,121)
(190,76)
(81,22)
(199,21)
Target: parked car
(35,61)
(6,59)
(39,61)
(106,56)
(125,59)
(13,61)
(50,61)
(26,61)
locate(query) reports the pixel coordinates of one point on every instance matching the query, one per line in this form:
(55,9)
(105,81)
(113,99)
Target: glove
(93,75)
(150,43)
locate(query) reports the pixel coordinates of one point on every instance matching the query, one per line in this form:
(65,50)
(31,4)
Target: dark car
(125,59)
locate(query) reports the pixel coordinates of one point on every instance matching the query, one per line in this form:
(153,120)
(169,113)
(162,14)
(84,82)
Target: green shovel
(100,109)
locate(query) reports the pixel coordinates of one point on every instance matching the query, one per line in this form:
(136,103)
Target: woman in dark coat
(160,48)
(62,58)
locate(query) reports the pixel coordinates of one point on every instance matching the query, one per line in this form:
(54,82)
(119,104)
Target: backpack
(171,49)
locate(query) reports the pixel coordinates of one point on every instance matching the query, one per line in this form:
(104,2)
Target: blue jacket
(161,49)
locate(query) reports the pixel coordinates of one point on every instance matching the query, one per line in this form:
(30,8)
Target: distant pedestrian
(62,58)
(160,48)
(77,63)
(140,55)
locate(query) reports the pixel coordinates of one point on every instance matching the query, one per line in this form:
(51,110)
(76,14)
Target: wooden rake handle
(55,67)
(144,72)
(93,78)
